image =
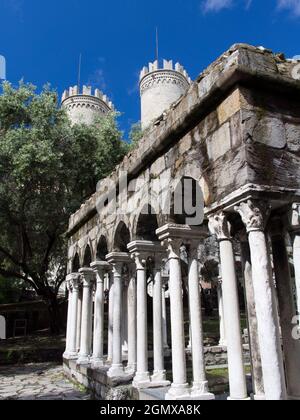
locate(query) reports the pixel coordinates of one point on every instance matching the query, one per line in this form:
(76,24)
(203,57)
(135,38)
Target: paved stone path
(43,381)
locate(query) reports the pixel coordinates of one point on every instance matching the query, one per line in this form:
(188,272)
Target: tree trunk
(55,318)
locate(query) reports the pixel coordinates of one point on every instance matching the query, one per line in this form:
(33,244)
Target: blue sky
(42,40)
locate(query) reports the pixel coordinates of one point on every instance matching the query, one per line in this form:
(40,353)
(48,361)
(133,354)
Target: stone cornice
(240,64)
(181,232)
(100,265)
(147,247)
(118,258)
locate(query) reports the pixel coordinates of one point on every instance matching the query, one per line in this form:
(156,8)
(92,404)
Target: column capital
(141,250)
(254,214)
(220,227)
(173,236)
(101,267)
(149,248)
(117,260)
(73,281)
(88,276)
(294,217)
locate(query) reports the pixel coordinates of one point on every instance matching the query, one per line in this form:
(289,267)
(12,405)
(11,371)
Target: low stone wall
(101,387)
(217,355)
(97,382)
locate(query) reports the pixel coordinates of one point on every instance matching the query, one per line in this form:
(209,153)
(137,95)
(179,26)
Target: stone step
(153,394)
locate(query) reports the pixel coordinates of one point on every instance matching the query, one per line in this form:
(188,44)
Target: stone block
(236,130)
(185,144)
(219,143)
(158,166)
(230,106)
(271,132)
(293,137)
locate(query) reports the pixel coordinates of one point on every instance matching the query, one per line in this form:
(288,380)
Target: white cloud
(291,5)
(216,5)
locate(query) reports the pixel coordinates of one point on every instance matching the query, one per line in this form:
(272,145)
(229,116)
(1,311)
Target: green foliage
(135,135)
(10,290)
(47,167)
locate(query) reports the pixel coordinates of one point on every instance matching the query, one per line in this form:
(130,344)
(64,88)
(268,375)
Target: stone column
(132,308)
(142,377)
(287,310)
(159,374)
(110,318)
(200,384)
(88,277)
(75,284)
(79,316)
(257,375)
(99,268)
(254,218)
(180,388)
(69,288)
(125,319)
(219,226)
(295,235)
(117,259)
(164,317)
(223,341)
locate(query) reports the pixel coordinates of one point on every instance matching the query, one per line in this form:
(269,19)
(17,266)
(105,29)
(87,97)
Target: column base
(238,399)
(116,371)
(70,356)
(158,379)
(97,362)
(141,380)
(131,369)
(178,392)
(200,391)
(261,397)
(83,359)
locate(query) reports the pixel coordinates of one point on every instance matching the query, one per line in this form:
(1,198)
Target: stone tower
(159,88)
(85,107)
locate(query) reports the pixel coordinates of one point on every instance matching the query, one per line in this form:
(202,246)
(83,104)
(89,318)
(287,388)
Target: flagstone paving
(43,381)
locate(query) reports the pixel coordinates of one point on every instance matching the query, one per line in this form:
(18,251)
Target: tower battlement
(160,87)
(84,106)
(87,91)
(167,65)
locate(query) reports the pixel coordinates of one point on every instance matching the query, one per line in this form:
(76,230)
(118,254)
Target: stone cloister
(235,136)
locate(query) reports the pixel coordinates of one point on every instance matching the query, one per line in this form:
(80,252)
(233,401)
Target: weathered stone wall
(235,131)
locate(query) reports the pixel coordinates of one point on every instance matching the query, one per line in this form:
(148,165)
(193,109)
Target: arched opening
(75,264)
(122,238)
(187,206)
(102,249)
(147,225)
(87,260)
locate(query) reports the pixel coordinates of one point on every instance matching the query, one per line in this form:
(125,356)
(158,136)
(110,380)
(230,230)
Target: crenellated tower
(85,106)
(160,87)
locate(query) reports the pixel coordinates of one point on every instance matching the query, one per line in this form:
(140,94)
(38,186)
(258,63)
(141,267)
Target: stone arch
(75,265)
(187,202)
(87,257)
(102,249)
(122,238)
(146,224)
